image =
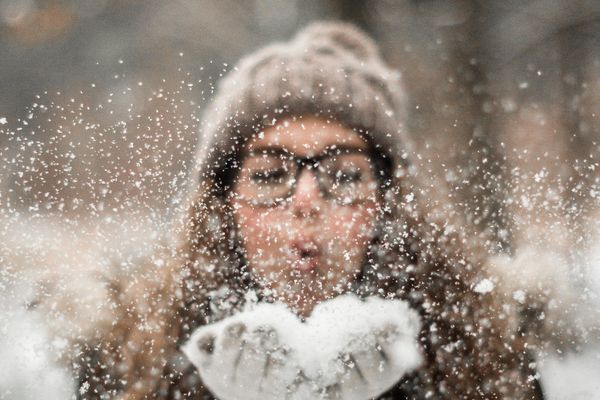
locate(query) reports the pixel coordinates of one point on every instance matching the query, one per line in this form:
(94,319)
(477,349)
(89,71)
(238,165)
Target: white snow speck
(484,286)
(84,388)
(519,296)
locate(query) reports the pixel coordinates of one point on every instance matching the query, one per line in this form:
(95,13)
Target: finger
(254,357)
(353,365)
(333,392)
(367,371)
(232,334)
(299,388)
(231,349)
(206,344)
(387,333)
(277,363)
(268,337)
(279,370)
(383,354)
(276,357)
(206,347)
(351,379)
(375,368)
(352,370)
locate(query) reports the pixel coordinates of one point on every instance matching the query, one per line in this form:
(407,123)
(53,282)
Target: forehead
(306,136)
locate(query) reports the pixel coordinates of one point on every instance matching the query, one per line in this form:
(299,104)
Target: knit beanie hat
(330,70)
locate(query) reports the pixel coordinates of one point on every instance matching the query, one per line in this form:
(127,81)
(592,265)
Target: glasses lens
(349,177)
(265,178)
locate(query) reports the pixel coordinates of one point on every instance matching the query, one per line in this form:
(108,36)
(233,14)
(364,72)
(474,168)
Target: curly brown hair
(471,349)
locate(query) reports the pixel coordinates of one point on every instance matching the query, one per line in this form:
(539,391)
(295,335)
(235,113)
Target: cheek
(262,231)
(348,230)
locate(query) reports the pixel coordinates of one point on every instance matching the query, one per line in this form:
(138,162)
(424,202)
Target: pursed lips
(305,254)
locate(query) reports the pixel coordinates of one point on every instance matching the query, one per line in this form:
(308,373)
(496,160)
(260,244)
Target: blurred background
(101,100)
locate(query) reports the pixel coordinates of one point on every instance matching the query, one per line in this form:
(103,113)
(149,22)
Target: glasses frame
(310,163)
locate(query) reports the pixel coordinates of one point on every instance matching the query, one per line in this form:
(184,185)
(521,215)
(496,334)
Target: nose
(307,198)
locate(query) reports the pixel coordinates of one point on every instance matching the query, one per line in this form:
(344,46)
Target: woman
(305,191)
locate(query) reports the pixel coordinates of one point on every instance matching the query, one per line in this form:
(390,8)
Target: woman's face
(312,245)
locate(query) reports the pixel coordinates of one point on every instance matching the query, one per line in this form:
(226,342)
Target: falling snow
(182,216)
(484,286)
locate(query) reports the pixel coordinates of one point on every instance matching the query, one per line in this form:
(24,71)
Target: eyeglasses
(267,177)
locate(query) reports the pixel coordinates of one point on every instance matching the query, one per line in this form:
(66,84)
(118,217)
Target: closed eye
(268,176)
(348,176)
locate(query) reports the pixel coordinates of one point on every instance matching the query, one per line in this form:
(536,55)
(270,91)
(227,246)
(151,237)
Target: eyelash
(348,176)
(267,176)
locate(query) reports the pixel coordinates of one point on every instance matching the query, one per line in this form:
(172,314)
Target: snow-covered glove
(369,366)
(348,349)
(242,357)
(367,346)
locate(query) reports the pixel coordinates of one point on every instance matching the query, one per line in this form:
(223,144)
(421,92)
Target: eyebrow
(278,150)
